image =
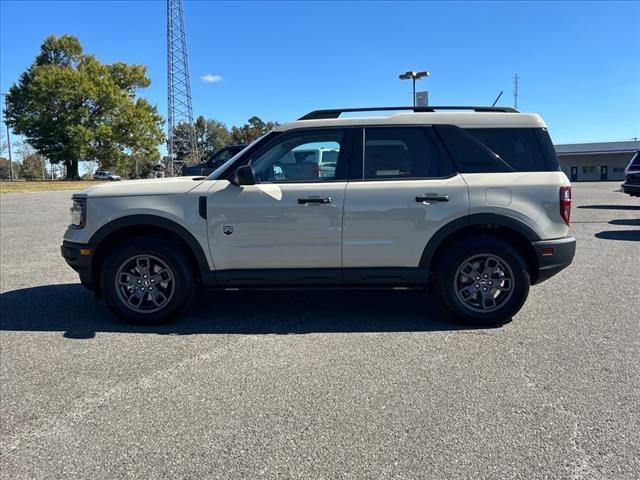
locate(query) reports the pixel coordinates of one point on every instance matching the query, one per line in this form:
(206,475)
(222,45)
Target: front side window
(403,152)
(301,157)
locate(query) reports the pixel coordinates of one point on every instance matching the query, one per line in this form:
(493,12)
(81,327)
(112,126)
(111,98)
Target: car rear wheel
(482,280)
(147,280)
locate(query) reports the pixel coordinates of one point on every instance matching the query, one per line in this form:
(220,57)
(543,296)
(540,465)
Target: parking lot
(322,384)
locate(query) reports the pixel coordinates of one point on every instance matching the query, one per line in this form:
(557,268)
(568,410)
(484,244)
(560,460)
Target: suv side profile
(467,202)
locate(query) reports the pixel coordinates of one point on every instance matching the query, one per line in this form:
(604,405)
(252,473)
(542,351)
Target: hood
(154,186)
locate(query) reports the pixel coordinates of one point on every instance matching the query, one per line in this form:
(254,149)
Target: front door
(407,191)
(287,228)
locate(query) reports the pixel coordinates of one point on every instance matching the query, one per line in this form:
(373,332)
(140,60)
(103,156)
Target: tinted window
(469,154)
(548,150)
(403,152)
(220,157)
(296,158)
(518,147)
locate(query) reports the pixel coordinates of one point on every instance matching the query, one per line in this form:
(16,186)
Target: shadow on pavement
(633,222)
(629,235)
(73,310)
(611,207)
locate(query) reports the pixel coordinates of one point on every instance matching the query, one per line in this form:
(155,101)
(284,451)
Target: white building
(596,161)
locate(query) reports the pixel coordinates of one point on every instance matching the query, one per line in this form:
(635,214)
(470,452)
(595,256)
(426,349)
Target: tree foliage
(5,170)
(33,167)
(210,135)
(252,130)
(70,107)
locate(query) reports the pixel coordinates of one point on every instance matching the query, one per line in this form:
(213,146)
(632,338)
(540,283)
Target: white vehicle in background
(106,175)
(470,205)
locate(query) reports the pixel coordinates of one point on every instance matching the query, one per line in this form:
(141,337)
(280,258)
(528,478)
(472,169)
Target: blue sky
(579,62)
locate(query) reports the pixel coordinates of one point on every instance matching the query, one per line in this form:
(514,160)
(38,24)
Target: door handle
(305,200)
(430,197)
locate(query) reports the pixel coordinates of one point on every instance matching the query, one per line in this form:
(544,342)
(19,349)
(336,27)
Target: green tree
(250,131)
(210,135)
(32,167)
(70,107)
(5,171)
(183,135)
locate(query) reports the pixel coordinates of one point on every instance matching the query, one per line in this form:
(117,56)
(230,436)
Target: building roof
(461,119)
(598,147)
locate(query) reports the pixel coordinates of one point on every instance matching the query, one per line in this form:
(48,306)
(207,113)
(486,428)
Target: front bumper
(79,256)
(553,256)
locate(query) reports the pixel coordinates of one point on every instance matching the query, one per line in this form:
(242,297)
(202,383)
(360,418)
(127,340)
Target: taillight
(565,203)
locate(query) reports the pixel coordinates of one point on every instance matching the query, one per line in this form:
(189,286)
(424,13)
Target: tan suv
(469,202)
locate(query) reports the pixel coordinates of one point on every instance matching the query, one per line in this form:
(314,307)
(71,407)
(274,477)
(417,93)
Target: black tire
(178,292)
(451,284)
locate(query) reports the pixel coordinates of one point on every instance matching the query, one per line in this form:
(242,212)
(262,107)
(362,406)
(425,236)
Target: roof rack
(336,112)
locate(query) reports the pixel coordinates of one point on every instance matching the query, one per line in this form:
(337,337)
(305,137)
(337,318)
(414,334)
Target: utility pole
(515,90)
(8,139)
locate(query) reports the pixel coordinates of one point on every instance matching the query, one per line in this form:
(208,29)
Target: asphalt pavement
(321,384)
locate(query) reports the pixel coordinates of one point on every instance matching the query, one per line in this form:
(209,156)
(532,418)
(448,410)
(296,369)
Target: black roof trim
(336,112)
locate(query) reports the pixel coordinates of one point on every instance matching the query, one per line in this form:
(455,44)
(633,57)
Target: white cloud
(211,78)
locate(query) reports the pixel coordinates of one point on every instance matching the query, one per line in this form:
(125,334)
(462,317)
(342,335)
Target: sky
(578,62)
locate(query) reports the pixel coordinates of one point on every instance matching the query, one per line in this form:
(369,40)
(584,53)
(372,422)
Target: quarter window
(518,147)
(310,156)
(403,152)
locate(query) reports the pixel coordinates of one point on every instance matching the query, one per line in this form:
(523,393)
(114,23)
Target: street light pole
(8,139)
(414,91)
(414,76)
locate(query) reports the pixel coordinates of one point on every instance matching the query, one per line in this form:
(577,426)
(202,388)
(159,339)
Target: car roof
(461,119)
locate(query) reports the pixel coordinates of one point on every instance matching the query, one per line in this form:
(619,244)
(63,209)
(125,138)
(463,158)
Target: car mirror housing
(244,175)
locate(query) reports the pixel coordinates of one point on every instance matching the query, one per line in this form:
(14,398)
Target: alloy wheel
(483,282)
(145,284)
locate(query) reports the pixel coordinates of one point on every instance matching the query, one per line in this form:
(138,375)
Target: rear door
(405,188)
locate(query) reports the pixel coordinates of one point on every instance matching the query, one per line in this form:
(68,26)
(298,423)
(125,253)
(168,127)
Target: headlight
(78,212)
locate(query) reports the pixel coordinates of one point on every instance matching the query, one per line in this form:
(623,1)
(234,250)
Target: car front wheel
(482,280)
(147,280)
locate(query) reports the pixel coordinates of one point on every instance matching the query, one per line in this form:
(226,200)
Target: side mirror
(244,176)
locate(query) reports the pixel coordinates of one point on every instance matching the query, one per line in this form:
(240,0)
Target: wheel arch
(514,231)
(114,232)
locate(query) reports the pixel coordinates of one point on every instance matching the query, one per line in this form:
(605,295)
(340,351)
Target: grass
(44,185)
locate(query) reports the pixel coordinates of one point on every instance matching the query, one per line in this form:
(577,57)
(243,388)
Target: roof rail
(336,112)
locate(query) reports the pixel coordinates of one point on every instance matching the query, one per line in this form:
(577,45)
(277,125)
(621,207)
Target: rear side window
(403,152)
(470,155)
(521,148)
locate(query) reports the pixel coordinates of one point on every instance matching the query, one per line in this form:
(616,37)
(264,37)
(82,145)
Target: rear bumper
(79,261)
(631,189)
(553,256)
